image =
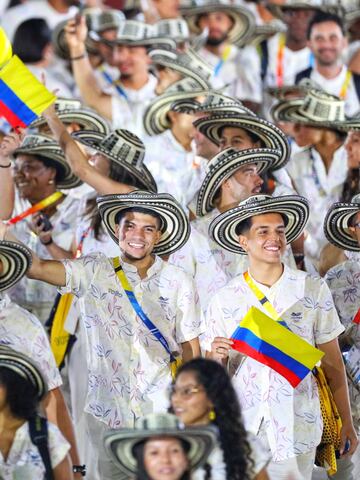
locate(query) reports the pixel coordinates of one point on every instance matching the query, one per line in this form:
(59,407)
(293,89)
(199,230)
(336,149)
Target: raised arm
(7,189)
(75,34)
(77,159)
(49,271)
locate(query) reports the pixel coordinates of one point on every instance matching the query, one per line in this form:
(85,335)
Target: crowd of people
(179,237)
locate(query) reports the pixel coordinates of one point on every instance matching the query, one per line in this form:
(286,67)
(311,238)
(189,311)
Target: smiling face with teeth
(138,234)
(264,241)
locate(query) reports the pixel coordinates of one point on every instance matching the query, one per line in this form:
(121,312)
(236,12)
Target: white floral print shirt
(292,416)
(128,368)
(344,283)
(24,461)
(210,265)
(23,332)
(321,188)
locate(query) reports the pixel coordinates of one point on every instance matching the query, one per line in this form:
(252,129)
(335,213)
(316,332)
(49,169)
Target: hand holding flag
(271,343)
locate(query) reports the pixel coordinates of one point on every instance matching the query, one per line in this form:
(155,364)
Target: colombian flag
(22,97)
(271,343)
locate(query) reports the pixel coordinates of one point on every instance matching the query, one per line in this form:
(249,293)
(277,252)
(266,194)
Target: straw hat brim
(16,260)
(86,119)
(277,10)
(120,445)
(175,226)
(336,226)
(192,106)
(289,111)
(93,140)
(25,367)
(155,117)
(243,20)
(225,164)
(269,133)
(295,208)
(53,152)
(169,60)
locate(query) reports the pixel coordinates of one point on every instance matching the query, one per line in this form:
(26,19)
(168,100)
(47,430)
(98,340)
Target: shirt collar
(153,270)
(4,300)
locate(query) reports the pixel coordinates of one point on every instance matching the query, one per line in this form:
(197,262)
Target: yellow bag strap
(59,338)
(265,302)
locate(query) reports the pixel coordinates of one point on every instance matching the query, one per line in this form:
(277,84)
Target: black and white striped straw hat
(213,102)
(337,223)
(25,367)
(15,260)
(122,147)
(224,227)
(175,225)
(272,137)
(243,19)
(224,165)
(36,144)
(155,117)
(71,110)
(189,64)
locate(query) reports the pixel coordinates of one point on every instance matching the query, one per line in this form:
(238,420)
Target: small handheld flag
(22,96)
(271,343)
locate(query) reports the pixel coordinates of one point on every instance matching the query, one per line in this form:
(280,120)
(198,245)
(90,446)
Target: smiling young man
(288,418)
(327,42)
(232,177)
(128,367)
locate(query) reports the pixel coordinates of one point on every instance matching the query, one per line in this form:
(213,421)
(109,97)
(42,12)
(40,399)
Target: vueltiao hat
(243,19)
(175,225)
(122,147)
(48,148)
(295,208)
(318,108)
(272,137)
(214,102)
(72,111)
(224,165)
(267,30)
(16,260)
(337,223)
(178,29)
(25,367)
(120,443)
(155,117)
(189,64)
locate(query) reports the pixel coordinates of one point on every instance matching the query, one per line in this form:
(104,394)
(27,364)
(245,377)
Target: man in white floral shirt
(288,418)
(342,230)
(128,367)
(232,176)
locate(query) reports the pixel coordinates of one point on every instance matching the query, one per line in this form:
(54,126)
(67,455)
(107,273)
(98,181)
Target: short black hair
(30,39)
(146,211)
(245,225)
(21,394)
(321,17)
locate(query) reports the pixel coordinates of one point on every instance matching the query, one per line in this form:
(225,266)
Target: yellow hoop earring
(212,415)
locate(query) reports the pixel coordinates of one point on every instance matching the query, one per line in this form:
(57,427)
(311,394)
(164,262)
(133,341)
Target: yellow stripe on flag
(26,86)
(281,337)
(5,48)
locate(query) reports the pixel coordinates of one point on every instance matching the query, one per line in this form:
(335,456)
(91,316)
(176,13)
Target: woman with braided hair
(203,395)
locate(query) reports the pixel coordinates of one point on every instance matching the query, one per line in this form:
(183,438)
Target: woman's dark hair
(49,163)
(21,395)
(138,451)
(232,435)
(30,39)
(118,174)
(254,137)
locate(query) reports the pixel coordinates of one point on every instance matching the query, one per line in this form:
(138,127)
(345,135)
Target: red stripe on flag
(10,116)
(245,348)
(357,317)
